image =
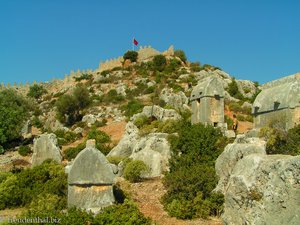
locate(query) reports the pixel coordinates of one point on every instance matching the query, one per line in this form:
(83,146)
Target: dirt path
(147,195)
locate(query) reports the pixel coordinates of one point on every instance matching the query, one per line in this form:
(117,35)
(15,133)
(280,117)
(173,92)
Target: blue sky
(249,39)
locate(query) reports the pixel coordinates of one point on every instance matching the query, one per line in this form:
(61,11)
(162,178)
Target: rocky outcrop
(158,113)
(258,188)
(246,87)
(176,100)
(232,154)
(45,147)
(52,123)
(264,189)
(126,144)
(90,181)
(89,119)
(154,151)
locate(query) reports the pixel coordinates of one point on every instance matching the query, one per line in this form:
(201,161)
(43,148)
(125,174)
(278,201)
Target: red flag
(135,42)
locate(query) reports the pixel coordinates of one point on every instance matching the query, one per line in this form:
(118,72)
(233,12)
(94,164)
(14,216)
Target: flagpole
(133,44)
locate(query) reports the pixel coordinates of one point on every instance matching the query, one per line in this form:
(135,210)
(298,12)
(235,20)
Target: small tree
(181,55)
(131,55)
(14,110)
(36,91)
(69,106)
(159,62)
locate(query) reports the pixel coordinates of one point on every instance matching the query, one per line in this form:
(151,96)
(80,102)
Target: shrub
(71,153)
(233,90)
(24,150)
(132,107)
(113,96)
(159,62)
(83,76)
(65,137)
(195,67)
(36,91)
(102,140)
(280,141)
(131,55)
(141,121)
(134,170)
(14,111)
(172,66)
(192,176)
(69,107)
(180,54)
(21,188)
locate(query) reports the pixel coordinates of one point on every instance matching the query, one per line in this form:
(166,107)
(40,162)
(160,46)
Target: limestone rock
(232,154)
(89,119)
(154,151)
(78,130)
(26,130)
(45,147)
(264,189)
(126,144)
(157,112)
(121,89)
(246,87)
(52,123)
(176,100)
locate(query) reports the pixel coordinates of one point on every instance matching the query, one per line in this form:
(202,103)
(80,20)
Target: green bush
(1,150)
(280,141)
(36,91)
(172,66)
(159,62)
(102,140)
(134,170)
(14,111)
(192,176)
(141,121)
(83,76)
(126,213)
(195,67)
(131,55)
(71,153)
(132,107)
(233,90)
(65,137)
(69,107)
(180,54)
(21,188)
(113,96)
(24,150)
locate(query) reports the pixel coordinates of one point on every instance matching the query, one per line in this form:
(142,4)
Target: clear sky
(256,40)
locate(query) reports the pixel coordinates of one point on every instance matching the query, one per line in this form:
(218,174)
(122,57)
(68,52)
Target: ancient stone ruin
(207,99)
(279,100)
(90,180)
(45,147)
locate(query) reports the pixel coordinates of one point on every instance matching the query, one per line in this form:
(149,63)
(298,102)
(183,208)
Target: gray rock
(121,89)
(229,134)
(51,122)
(89,119)
(176,100)
(246,87)
(26,130)
(45,147)
(264,189)
(157,112)
(126,144)
(154,151)
(78,130)
(232,154)
(151,83)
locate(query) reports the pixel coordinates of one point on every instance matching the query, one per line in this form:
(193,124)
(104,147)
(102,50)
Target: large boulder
(90,181)
(157,112)
(154,151)
(176,100)
(232,154)
(45,147)
(263,189)
(126,144)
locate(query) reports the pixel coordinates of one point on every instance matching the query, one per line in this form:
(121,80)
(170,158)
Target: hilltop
(136,107)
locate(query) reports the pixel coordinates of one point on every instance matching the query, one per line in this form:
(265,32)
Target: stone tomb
(90,180)
(207,99)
